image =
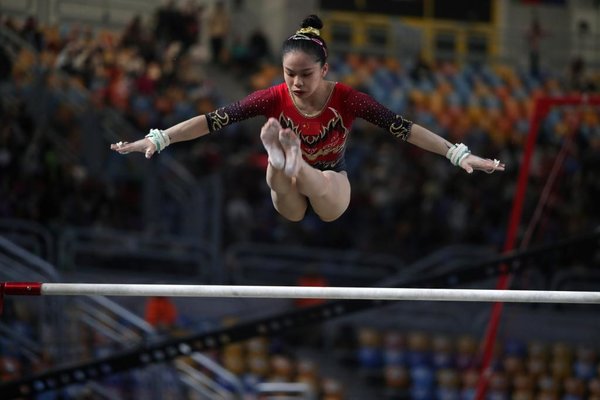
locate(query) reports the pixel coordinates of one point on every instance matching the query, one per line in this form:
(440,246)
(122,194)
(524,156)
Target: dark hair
(308,42)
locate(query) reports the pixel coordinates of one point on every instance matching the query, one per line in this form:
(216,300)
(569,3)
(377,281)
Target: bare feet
(269,135)
(293,156)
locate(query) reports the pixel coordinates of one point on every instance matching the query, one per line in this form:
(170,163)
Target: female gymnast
(309,119)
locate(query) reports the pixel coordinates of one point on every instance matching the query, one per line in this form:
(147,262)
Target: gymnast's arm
(255,104)
(366,107)
(190,129)
(187,130)
(427,140)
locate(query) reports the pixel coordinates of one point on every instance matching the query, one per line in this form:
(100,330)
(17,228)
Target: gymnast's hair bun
(312,21)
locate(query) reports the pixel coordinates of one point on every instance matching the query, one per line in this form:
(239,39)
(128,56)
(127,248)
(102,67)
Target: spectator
(311,278)
(167,23)
(218,30)
(5,65)
(421,71)
(192,16)
(534,40)
(258,47)
(161,313)
(31,33)
(577,74)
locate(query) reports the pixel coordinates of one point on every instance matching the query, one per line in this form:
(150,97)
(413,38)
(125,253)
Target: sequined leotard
(323,136)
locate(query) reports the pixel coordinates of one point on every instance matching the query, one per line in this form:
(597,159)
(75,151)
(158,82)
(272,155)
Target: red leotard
(323,136)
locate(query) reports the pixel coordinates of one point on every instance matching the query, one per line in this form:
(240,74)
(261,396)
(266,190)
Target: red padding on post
(1,298)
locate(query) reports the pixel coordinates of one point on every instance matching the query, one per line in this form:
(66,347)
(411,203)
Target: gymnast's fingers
(473,162)
(493,165)
(141,146)
(122,147)
(490,166)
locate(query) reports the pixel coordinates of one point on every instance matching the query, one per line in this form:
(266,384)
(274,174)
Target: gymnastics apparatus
(288,292)
(344,301)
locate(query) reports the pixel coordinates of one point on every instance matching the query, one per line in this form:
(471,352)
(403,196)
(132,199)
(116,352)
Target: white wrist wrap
(457,153)
(159,138)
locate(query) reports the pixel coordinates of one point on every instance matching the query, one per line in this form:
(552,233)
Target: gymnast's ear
(324,70)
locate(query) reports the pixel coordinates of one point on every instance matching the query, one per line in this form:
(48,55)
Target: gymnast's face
(303,75)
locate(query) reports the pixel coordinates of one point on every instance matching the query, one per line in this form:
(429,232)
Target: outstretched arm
(364,106)
(252,105)
(187,130)
(429,141)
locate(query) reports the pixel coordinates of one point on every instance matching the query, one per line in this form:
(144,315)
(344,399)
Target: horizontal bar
(289,292)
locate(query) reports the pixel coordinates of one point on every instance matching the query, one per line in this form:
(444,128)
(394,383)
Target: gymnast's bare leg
(327,191)
(286,198)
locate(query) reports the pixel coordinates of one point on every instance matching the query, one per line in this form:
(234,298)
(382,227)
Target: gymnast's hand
(472,162)
(144,145)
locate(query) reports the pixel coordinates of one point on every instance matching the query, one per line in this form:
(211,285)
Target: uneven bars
(291,292)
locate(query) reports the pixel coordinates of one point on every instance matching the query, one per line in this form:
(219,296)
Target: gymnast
(309,119)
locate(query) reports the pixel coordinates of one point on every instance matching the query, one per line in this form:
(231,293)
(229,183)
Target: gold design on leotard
(287,122)
(401,129)
(322,165)
(309,141)
(219,120)
(322,152)
(335,122)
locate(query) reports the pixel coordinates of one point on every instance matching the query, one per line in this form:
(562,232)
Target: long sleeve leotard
(323,136)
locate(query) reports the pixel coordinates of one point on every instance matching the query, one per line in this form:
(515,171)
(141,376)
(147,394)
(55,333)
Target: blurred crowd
(54,101)
(404,200)
(426,365)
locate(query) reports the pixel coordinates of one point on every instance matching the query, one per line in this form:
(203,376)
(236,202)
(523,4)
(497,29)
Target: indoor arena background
(78,75)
